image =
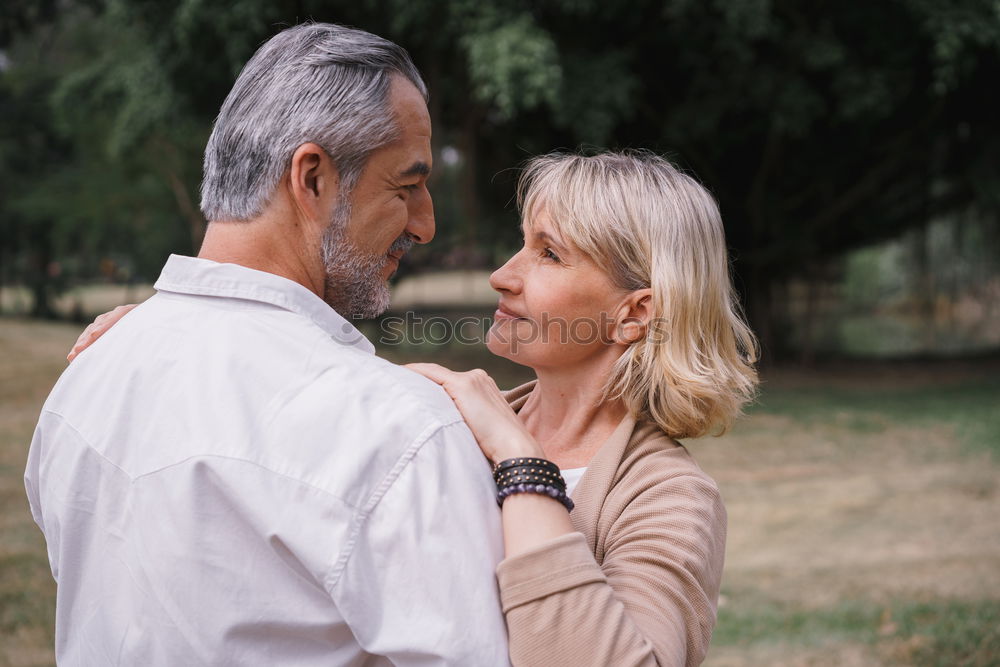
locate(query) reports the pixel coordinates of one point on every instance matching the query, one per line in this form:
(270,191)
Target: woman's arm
(97,328)
(529,519)
(651,601)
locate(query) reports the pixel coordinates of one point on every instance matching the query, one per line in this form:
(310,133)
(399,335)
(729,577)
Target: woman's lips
(504,314)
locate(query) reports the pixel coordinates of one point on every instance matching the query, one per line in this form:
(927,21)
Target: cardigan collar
(597,481)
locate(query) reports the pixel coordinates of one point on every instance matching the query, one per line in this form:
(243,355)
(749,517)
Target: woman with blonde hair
(621,302)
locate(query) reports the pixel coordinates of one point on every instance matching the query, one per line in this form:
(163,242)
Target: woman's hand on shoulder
(98,328)
(499,432)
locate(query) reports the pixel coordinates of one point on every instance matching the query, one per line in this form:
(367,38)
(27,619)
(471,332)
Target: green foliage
(970,408)
(939,633)
(776,623)
(20,607)
(819,129)
(513,65)
(957,633)
(590,112)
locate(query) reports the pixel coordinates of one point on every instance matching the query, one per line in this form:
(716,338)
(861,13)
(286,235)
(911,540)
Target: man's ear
(313,182)
(634,316)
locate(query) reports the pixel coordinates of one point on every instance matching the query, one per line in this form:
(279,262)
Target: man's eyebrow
(416,169)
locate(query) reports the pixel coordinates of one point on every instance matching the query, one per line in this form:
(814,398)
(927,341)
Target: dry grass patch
(33,357)
(863,505)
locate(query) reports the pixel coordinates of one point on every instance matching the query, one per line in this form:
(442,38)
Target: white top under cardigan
(230,476)
(571,477)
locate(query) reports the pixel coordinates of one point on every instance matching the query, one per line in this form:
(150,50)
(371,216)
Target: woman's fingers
(432,372)
(98,328)
(457,383)
(452,382)
(491,420)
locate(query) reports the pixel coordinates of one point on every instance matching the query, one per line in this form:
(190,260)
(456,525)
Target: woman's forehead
(538,224)
(538,218)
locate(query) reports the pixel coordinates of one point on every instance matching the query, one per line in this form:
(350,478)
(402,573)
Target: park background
(853,150)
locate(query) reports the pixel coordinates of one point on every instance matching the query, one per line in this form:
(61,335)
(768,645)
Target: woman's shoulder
(650,448)
(653,463)
(659,491)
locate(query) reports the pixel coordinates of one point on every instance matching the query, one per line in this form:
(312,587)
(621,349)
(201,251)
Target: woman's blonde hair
(649,225)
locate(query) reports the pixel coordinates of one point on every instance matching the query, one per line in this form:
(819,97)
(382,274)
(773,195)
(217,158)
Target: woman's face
(557,307)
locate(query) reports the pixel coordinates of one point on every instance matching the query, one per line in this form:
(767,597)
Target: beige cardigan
(639,582)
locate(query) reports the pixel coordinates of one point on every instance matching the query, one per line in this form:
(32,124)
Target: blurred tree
(819,129)
(77,186)
(28,146)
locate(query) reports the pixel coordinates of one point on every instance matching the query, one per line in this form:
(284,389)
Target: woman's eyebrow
(543,236)
(546,237)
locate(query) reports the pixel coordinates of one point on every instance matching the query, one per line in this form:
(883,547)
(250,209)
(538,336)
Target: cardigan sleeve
(651,602)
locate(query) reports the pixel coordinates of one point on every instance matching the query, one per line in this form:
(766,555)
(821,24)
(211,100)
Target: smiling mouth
(504,314)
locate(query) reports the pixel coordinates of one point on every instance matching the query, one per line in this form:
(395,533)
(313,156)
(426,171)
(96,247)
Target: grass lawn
(864,510)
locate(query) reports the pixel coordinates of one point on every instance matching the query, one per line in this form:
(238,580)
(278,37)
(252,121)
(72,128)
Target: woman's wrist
(530,474)
(517,447)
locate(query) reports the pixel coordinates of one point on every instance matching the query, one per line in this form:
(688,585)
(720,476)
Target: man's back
(231,477)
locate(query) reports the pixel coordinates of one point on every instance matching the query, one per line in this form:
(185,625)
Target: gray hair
(314,82)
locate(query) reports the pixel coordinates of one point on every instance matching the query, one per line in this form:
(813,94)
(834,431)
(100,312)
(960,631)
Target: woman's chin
(504,348)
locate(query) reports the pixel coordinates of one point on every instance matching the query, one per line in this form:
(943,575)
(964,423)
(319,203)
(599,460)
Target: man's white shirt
(230,476)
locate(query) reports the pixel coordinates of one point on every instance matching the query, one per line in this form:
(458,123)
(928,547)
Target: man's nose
(420,226)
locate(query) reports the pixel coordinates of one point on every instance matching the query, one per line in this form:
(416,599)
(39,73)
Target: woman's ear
(313,182)
(635,315)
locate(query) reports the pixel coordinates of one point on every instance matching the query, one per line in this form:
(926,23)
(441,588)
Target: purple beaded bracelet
(544,489)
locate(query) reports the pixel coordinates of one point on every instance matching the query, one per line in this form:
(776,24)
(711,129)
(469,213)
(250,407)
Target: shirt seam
(361,517)
(84,440)
(134,478)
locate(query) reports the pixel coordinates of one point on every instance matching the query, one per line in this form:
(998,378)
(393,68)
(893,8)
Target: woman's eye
(548,254)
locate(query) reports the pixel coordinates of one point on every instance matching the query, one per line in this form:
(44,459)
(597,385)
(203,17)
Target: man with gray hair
(230,476)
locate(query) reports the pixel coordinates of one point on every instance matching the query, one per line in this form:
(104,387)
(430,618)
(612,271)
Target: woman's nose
(507,277)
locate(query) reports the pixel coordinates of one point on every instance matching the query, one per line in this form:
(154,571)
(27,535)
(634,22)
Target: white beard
(354,284)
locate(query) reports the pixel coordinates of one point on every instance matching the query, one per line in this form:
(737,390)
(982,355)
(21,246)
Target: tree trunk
(171,169)
(196,221)
(807,349)
(925,288)
(468,192)
(760,312)
(39,282)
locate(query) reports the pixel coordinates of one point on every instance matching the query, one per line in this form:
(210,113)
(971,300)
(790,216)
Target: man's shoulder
(249,381)
(355,424)
(375,390)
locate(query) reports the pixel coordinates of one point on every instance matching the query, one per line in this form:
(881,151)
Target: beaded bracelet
(530,475)
(553,492)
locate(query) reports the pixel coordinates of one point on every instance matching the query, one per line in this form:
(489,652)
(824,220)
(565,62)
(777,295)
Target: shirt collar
(193,275)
